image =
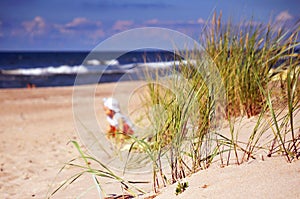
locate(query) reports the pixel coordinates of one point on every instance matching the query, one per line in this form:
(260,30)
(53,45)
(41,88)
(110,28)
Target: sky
(83,24)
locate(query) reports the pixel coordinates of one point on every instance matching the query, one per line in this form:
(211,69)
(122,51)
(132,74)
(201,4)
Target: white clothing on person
(117,118)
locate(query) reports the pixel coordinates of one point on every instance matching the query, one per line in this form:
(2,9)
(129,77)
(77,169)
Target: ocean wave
(46,71)
(82,69)
(167,64)
(69,70)
(96,62)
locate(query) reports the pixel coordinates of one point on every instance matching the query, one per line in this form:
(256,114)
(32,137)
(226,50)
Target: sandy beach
(37,126)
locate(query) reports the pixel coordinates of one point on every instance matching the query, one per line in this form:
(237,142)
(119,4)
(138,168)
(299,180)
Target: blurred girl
(120,127)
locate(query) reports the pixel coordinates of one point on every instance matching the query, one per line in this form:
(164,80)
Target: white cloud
(283,16)
(201,21)
(37,26)
(152,22)
(79,25)
(122,25)
(81,21)
(96,35)
(77,22)
(89,31)
(174,22)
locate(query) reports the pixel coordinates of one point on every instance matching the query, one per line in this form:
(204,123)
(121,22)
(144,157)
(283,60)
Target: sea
(27,69)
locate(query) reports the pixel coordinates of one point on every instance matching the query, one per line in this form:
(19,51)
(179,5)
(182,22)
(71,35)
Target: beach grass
(247,57)
(88,165)
(185,116)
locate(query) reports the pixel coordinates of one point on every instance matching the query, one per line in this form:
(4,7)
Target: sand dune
(37,124)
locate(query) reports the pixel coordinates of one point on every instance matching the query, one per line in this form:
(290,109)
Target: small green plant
(181,187)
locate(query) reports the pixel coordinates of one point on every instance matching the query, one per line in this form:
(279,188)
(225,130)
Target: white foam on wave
(47,71)
(111,62)
(96,62)
(114,67)
(93,62)
(69,70)
(165,64)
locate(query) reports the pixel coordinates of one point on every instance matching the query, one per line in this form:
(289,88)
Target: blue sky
(82,24)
